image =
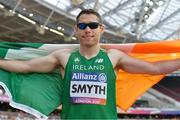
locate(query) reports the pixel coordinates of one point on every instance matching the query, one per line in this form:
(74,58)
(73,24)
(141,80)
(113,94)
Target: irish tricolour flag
(40,94)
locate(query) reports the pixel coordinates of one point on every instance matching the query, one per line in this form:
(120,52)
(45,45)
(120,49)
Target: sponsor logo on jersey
(99,77)
(76,60)
(99,60)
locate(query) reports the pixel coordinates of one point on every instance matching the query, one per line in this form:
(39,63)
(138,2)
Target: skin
(89,47)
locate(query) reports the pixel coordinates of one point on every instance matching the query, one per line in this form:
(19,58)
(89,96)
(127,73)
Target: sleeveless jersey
(89,88)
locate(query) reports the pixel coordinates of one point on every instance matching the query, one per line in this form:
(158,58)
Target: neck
(89,52)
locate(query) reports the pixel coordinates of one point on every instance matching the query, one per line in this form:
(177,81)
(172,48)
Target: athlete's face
(88,30)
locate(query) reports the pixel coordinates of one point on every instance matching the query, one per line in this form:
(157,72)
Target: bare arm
(133,65)
(41,64)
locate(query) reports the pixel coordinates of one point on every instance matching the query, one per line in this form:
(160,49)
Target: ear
(102,28)
(75,30)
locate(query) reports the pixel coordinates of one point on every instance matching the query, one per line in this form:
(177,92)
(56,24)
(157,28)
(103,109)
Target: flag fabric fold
(40,94)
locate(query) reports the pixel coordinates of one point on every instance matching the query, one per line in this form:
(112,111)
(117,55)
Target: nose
(87,28)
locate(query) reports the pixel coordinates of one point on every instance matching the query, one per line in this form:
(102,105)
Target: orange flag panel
(131,86)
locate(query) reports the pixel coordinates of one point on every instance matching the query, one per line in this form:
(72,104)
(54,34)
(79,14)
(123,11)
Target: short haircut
(89,11)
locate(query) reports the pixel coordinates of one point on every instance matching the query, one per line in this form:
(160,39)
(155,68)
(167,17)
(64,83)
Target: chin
(87,44)
(91,45)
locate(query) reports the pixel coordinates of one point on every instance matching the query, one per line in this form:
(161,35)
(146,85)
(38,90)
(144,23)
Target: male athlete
(88,72)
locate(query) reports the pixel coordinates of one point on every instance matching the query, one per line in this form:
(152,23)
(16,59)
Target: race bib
(88,88)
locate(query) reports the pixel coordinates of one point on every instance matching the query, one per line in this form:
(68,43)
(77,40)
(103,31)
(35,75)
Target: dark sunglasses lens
(93,25)
(82,26)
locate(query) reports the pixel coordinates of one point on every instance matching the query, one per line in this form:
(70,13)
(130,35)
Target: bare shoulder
(62,56)
(115,55)
(112,52)
(62,52)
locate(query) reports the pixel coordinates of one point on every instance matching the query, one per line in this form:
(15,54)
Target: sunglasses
(91,25)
